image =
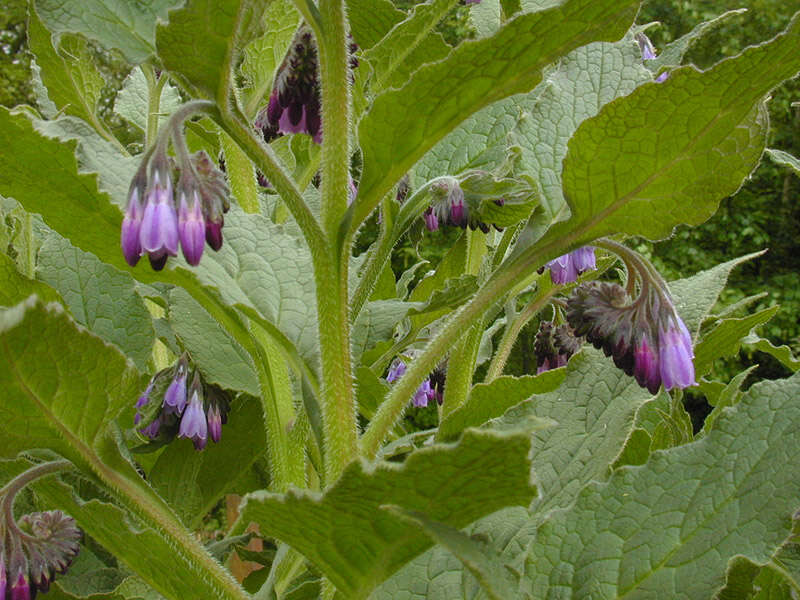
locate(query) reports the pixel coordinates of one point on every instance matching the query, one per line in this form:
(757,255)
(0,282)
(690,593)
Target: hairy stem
(330,268)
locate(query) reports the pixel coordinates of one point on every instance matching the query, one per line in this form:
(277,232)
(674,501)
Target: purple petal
(396,371)
(159,230)
(131,226)
(675,359)
(431,222)
(191,229)
(214,423)
(214,235)
(422,395)
(584,259)
(646,369)
(193,422)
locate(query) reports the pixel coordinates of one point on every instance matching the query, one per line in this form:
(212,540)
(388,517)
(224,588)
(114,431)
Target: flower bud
(132,222)
(175,396)
(191,226)
(194,424)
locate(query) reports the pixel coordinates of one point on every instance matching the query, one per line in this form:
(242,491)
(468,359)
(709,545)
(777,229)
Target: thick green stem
(330,268)
(235,125)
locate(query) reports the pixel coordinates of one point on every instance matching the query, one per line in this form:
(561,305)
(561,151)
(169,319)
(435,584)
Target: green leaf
(673,54)
(489,400)
(399,129)
(59,396)
(636,450)
(68,202)
(576,91)
(263,55)
(594,408)
(487,567)
(486,17)
(201,44)
(376,323)
(132,102)
(100,297)
(15,287)
(127,26)
(667,153)
(219,357)
(784,159)
(95,155)
(726,338)
(782,353)
(677,520)
(408,45)
(74,85)
(729,396)
(370,20)
(192,482)
(357,545)
(695,296)
(241,175)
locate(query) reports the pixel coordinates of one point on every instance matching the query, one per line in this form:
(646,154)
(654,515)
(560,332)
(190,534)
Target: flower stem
(512,331)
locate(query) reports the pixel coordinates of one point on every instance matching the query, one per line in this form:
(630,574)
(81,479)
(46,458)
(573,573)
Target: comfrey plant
(532,157)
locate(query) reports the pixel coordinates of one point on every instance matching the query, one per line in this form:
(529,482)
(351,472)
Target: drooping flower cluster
(645,337)
(567,268)
(430,389)
(294,104)
(159,218)
(197,412)
(449,208)
(649,53)
(34,550)
(554,346)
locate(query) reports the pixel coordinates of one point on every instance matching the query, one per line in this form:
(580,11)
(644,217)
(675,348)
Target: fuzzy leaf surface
(667,153)
(100,297)
(201,43)
(668,528)
(399,129)
(129,27)
(356,544)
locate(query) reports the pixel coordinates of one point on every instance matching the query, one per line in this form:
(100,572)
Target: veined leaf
(671,525)
(200,46)
(356,544)
(784,159)
(128,26)
(132,102)
(15,287)
(667,153)
(370,20)
(404,124)
(99,297)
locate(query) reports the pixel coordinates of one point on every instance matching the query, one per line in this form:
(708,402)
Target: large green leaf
(490,400)
(587,79)
(670,526)
(68,202)
(65,397)
(219,357)
(73,85)
(99,296)
(356,544)
(784,159)
(403,124)
(201,44)
(59,396)
(594,408)
(667,153)
(127,26)
(15,287)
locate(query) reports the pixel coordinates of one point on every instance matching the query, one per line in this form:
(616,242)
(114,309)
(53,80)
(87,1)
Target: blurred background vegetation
(765,213)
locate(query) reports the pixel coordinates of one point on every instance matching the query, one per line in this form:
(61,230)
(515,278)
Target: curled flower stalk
(38,547)
(160,217)
(645,336)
